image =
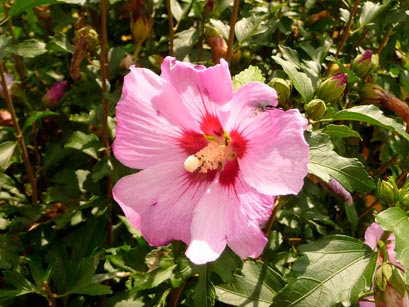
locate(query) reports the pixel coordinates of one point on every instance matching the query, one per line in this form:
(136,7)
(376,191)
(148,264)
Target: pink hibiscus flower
(213,160)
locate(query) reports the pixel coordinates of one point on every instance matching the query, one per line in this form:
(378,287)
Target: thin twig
(19,137)
(384,41)
(231,32)
(17,59)
(347,29)
(105,101)
(171,28)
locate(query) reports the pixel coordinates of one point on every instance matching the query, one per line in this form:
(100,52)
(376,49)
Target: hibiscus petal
(208,229)
(159,201)
(150,119)
(228,215)
(202,90)
(277,155)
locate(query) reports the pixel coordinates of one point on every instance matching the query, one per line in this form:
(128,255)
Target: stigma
(211,157)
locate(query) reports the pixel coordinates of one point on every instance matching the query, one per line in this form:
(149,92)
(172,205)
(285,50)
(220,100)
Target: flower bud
(5,118)
(208,8)
(315,109)
(140,24)
(283,90)
(404,195)
(365,63)
(390,290)
(370,93)
(55,93)
(388,191)
(332,88)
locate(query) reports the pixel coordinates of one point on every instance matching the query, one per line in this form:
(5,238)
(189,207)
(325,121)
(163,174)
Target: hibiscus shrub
(204,153)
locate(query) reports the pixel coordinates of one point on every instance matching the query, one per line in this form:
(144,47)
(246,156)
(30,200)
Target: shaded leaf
(396,220)
(87,143)
(340,131)
(256,286)
(332,270)
(326,163)
(19,6)
(37,116)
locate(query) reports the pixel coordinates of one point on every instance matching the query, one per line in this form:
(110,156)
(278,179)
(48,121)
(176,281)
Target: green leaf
(396,220)
(9,251)
(87,143)
(372,115)
(60,42)
(184,42)
(370,11)
(101,169)
(246,28)
(250,74)
(204,293)
(255,286)
(37,116)
(326,163)
(340,131)
(7,150)
(332,270)
(30,48)
(20,6)
(300,80)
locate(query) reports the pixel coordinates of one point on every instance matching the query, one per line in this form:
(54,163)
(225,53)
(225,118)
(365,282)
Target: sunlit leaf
(396,220)
(30,48)
(250,74)
(372,115)
(299,79)
(332,270)
(7,150)
(326,163)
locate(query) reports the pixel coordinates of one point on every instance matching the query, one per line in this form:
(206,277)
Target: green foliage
(71,245)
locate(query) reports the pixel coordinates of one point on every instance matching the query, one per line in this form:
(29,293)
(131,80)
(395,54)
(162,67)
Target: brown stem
(347,29)
(394,104)
(272,219)
(19,137)
(17,59)
(174,297)
(231,32)
(384,41)
(105,101)
(171,28)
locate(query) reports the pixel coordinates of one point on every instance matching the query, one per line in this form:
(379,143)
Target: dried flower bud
(218,46)
(332,88)
(140,24)
(55,93)
(283,90)
(5,118)
(315,109)
(388,191)
(365,63)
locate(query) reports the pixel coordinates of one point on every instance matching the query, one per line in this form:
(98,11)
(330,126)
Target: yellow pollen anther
(209,158)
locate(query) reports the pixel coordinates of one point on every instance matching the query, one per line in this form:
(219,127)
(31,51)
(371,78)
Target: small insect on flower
(263,106)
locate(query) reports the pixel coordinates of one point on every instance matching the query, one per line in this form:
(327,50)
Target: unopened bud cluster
(390,194)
